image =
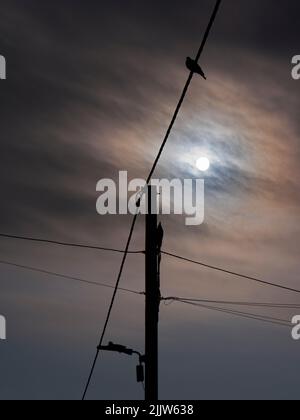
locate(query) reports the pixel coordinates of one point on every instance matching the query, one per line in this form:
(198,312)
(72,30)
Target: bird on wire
(194,67)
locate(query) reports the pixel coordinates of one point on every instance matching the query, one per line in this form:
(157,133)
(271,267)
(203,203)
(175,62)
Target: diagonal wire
(67,244)
(232,273)
(237,303)
(165,299)
(64,276)
(116,250)
(257,317)
(186,87)
(111,306)
(181,100)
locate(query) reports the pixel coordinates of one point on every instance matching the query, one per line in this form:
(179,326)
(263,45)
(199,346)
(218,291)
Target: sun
(203,164)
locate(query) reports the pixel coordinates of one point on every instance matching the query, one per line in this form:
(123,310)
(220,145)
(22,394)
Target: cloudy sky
(90,91)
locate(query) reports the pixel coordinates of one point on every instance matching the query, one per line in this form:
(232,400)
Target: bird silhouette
(194,67)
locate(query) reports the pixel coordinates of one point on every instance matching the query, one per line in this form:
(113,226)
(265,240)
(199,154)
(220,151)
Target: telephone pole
(153,245)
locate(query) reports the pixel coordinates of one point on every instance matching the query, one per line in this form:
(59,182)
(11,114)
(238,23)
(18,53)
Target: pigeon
(194,67)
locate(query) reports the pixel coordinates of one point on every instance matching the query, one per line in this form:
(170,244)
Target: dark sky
(90,91)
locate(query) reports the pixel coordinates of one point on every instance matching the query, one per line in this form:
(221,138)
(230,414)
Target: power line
(237,303)
(192,302)
(181,100)
(267,317)
(256,317)
(232,273)
(111,305)
(64,276)
(173,298)
(67,244)
(186,87)
(119,251)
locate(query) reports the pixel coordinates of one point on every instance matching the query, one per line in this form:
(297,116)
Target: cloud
(90,91)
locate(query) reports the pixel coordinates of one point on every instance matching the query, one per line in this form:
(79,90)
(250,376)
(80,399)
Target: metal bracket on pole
(117,348)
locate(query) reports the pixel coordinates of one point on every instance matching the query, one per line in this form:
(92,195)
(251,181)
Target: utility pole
(153,244)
